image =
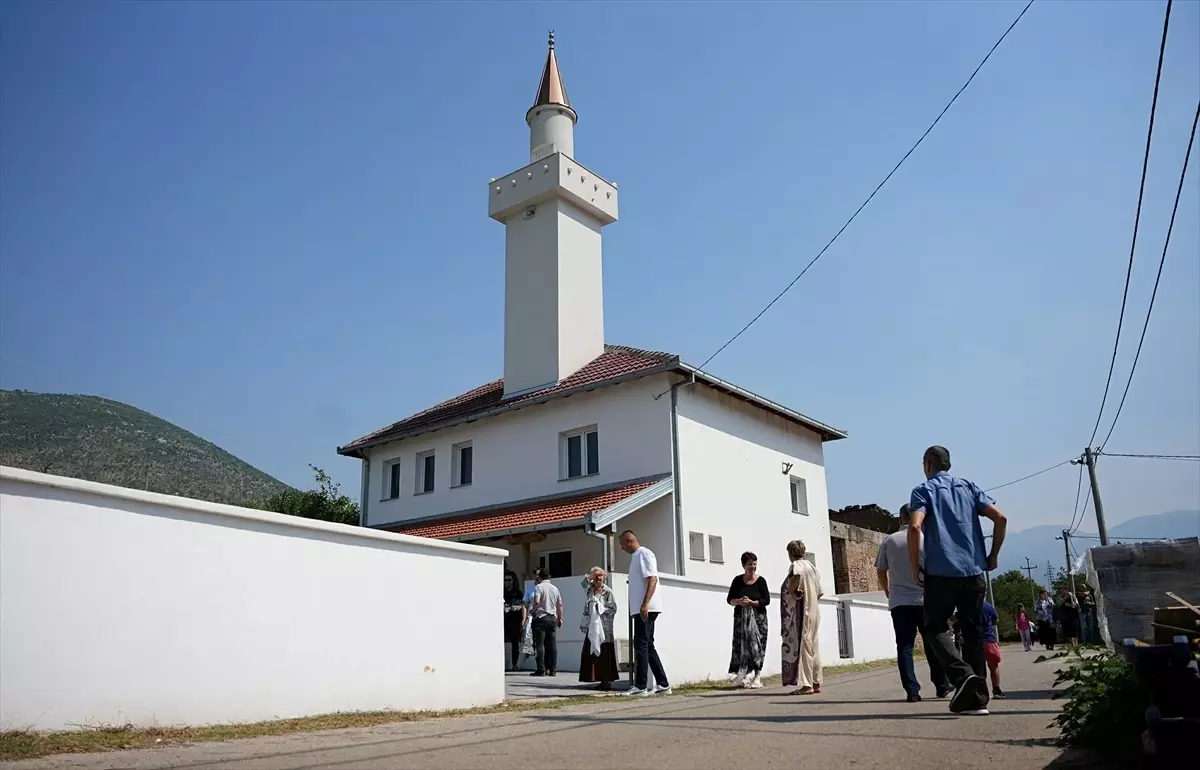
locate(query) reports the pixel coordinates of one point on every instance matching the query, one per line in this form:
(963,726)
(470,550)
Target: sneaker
(538,673)
(997,692)
(636,692)
(942,692)
(740,679)
(666,690)
(914,698)
(971,695)
(755,683)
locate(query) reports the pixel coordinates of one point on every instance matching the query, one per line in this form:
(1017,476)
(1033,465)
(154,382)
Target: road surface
(859,720)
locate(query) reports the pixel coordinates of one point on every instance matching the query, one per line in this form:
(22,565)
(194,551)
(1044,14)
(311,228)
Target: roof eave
(355,449)
(827,432)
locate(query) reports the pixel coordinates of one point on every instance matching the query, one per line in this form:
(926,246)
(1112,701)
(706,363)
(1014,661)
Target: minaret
(552,210)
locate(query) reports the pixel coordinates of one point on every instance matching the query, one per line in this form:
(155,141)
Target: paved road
(857,721)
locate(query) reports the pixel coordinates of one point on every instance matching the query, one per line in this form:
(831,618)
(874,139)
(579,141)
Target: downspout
(366,490)
(676,495)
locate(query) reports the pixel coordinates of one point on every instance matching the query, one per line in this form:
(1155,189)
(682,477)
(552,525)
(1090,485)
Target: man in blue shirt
(947,511)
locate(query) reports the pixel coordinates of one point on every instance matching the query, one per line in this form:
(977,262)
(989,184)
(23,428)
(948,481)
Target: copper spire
(551,90)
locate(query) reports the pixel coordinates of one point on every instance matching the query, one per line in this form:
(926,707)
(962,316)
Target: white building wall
(731,457)
(517,454)
(128,607)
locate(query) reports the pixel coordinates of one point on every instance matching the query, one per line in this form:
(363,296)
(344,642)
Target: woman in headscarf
(801,616)
(749,597)
(514,616)
(598,660)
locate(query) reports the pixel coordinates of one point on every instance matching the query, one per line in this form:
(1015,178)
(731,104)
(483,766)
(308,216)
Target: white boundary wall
(125,607)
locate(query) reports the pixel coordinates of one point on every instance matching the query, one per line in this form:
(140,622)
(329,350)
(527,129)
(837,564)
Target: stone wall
(870,516)
(854,551)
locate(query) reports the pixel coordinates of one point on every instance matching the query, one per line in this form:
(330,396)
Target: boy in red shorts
(991,647)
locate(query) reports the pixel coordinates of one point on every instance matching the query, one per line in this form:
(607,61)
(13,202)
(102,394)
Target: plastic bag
(527,638)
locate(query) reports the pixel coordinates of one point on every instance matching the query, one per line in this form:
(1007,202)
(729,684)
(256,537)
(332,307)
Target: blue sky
(267,222)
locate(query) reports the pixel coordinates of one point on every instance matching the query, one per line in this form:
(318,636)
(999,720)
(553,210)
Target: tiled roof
(616,361)
(572,508)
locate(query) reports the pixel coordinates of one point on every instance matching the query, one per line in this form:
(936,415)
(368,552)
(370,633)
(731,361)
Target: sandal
(803,691)
(816,689)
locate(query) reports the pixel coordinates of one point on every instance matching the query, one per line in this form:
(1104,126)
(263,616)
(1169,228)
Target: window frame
(589,453)
(392,471)
(456,464)
(794,483)
(419,474)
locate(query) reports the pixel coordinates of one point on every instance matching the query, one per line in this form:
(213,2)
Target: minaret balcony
(555,176)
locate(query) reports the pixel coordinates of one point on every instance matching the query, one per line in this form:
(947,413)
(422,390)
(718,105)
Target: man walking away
(644,606)
(905,598)
(991,646)
(947,511)
(547,607)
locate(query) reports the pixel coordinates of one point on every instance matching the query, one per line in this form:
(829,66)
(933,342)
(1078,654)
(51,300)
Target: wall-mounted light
(787,468)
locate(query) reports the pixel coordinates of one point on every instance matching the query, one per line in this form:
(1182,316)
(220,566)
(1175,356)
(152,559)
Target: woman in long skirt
(749,597)
(801,616)
(598,659)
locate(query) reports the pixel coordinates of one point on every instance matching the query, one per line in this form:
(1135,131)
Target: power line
(878,187)
(1078,492)
(1155,457)
(1137,218)
(1162,261)
(1082,512)
(1025,478)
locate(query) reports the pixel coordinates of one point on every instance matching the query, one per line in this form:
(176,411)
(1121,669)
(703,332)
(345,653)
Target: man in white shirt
(906,599)
(644,606)
(547,608)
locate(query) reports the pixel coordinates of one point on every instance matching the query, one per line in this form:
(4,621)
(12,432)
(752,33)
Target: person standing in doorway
(645,604)
(514,617)
(547,608)
(991,646)
(906,600)
(947,510)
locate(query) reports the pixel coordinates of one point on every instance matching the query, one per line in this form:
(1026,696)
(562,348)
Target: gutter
(677,523)
(366,490)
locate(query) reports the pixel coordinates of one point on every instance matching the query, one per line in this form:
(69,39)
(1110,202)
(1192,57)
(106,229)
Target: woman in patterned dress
(801,618)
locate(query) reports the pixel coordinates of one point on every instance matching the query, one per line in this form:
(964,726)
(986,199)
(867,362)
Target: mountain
(1039,545)
(94,438)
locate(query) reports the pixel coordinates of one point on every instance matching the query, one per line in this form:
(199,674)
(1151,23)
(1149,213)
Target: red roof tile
(553,512)
(616,361)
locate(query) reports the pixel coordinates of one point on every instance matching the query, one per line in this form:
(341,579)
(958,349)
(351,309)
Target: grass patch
(28,744)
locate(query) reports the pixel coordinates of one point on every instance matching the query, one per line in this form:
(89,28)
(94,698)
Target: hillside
(1039,545)
(98,439)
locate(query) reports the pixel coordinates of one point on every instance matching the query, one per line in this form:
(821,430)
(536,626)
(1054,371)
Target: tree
(1010,589)
(325,503)
(1061,581)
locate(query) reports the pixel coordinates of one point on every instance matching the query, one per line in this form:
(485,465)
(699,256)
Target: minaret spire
(551,89)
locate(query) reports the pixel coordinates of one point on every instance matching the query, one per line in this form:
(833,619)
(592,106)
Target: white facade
(128,607)
(732,461)
(518,455)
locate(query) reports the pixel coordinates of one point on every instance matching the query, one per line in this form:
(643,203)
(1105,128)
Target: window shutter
(716,550)
(696,546)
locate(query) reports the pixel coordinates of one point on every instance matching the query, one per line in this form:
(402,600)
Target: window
(556,563)
(425,472)
(580,453)
(391,480)
(462,457)
(696,546)
(716,550)
(799,496)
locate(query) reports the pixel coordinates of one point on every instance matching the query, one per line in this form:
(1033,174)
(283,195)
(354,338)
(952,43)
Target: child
(1023,628)
(991,647)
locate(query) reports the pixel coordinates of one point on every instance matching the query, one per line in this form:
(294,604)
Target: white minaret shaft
(552,210)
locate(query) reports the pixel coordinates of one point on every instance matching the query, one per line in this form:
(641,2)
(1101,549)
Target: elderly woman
(749,597)
(801,616)
(598,660)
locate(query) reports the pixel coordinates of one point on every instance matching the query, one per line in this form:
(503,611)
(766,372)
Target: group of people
(1070,614)
(541,610)
(800,621)
(932,572)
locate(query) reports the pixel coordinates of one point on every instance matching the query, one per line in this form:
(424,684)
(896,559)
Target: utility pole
(1029,568)
(1066,538)
(1089,459)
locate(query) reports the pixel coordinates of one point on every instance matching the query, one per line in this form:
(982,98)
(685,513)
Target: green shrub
(1106,706)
